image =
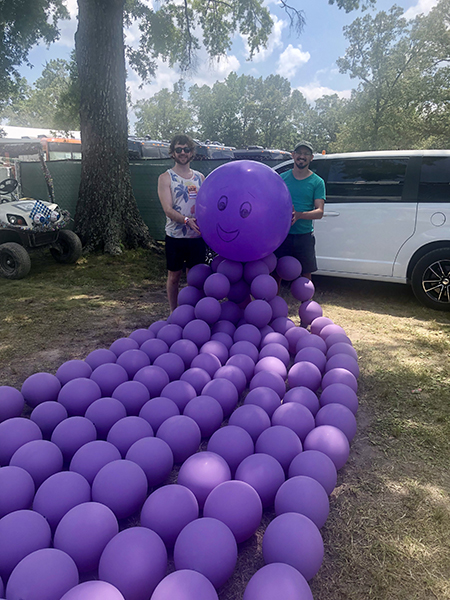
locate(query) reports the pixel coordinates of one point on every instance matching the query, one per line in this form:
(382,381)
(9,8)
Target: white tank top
(184,194)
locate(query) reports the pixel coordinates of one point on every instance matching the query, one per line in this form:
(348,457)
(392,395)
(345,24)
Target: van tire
(430,279)
(67,248)
(15,261)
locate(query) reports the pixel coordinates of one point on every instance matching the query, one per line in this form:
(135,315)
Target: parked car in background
(387,218)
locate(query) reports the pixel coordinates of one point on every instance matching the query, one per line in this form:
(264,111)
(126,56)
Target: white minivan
(387,218)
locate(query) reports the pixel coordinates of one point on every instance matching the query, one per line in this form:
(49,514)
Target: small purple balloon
(312,355)
(339,416)
(244,362)
(18,489)
(190,295)
(292,336)
(172,364)
(223,326)
(277,350)
(217,286)
(208,309)
(109,376)
(93,590)
(342,348)
(71,434)
(294,539)
(12,402)
(233,444)
(180,392)
(154,347)
(198,274)
(40,458)
(217,349)
(90,458)
(304,495)
(185,349)
(206,412)
(168,510)
(331,441)
(289,268)
(309,311)
(40,387)
(186,583)
(277,580)
(225,338)
(170,333)
(103,413)
(154,378)
(343,361)
(264,473)
(264,287)
(72,369)
(264,397)
(182,315)
(14,433)
(230,311)
(225,392)
(208,546)
(99,357)
(248,333)
(319,323)
(47,416)
(132,395)
(132,361)
(183,436)
(197,377)
(317,465)
(302,289)
(141,335)
(340,393)
(311,340)
(155,458)
(269,379)
(258,313)
(280,442)
(83,533)
(252,418)
(157,410)
(122,344)
(305,374)
(78,394)
(339,375)
(295,416)
(271,364)
(128,430)
(305,396)
(253,268)
(197,331)
(233,270)
(279,307)
(233,374)
(202,472)
(157,325)
(282,324)
(245,347)
(330,329)
(59,493)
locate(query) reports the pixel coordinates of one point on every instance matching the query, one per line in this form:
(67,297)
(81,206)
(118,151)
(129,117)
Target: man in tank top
(177,191)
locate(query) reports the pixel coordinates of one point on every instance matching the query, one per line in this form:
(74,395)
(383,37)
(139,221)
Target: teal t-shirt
(303,193)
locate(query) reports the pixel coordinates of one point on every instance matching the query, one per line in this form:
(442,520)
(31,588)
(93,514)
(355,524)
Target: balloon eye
(222,204)
(245,210)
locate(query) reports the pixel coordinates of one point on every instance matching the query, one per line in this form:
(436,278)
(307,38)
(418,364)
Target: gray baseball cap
(305,144)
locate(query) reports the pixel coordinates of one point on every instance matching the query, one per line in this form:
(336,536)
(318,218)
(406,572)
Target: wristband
(186,219)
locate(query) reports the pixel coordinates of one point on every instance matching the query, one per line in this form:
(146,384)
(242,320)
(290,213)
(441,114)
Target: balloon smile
(227,236)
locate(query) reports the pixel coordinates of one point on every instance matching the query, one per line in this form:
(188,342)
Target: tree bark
(107,216)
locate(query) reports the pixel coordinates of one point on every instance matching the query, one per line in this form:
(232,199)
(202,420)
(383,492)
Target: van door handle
(331,214)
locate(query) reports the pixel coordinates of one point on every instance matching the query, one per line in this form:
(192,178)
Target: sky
(307,60)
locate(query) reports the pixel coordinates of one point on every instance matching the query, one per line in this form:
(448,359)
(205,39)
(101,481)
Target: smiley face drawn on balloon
(244,210)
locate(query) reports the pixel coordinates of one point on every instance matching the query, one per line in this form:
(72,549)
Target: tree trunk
(107,215)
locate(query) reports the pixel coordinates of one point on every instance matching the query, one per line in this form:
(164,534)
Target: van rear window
(434,183)
(366,180)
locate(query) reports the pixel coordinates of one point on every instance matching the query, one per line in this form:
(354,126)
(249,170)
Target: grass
(388,533)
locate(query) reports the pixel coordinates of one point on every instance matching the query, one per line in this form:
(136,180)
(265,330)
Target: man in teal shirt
(308,198)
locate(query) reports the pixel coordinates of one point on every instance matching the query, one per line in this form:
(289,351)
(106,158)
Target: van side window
(434,183)
(366,180)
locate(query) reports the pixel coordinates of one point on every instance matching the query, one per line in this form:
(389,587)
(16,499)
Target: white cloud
(273,42)
(422,7)
(314,90)
(291,60)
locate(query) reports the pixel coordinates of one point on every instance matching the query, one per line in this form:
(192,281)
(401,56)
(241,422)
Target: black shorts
(302,247)
(184,251)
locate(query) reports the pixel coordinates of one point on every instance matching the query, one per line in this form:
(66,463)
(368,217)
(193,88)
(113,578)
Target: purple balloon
(269,379)
(217,349)
(40,458)
(132,361)
(60,493)
(90,458)
(122,486)
(187,584)
(83,533)
(223,326)
(197,331)
(47,573)
(274,338)
(180,392)
(244,362)
(232,222)
(258,313)
(153,377)
(17,487)
(217,286)
(198,274)
(311,341)
(168,510)
(339,416)
(294,539)
(264,473)
(208,546)
(208,309)
(233,374)
(282,324)
(330,329)
(157,325)
(295,416)
(71,434)
(132,395)
(331,441)
(99,357)
(72,369)
(278,580)
(304,495)
(93,590)
(341,348)
(248,333)
(122,344)
(279,307)
(312,355)
(230,311)
(340,393)
(189,295)
(206,412)
(317,465)
(14,433)
(47,416)
(281,443)
(309,311)
(78,394)
(170,333)
(21,533)
(339,375)
(233,270)
(264,397)
(238,505)
(40,387)
(185,349)
(343,361)
(302,289)
(245,347)
(277,350)
(289,268)
(103,413)
(305,396)
(252,418)
(157,410)
(154,457)
(253,268)
(141,335)
(134,561)
(318,324)
(264,287)
(233,444)
(154,347)
(225,338)
(172,364)
(109,376)
(183,436)
(12,402)
(293,335)
(182,315)
(197,377)
(225,392)
(271,364)
(202,472)
(128,430)
(305,374)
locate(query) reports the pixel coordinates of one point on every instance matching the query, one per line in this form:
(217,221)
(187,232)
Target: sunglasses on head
(185,149)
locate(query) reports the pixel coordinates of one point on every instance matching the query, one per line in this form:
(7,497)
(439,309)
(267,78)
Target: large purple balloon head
(244,210)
